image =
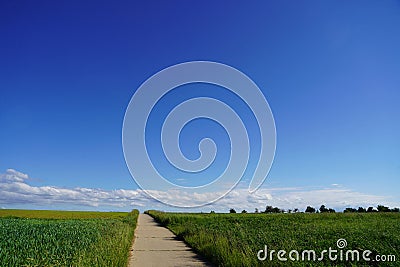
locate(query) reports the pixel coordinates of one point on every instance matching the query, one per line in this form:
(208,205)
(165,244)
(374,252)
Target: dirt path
(156,246)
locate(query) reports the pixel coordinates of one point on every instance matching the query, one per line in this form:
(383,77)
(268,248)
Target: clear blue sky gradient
(329,70)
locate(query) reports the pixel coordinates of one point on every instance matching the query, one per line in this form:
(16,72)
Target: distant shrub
(350,210)
(310,209)
(382,208)
(361,209)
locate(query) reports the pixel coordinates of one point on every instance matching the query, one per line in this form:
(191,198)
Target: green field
(235,239)
(61,214)
(63,238)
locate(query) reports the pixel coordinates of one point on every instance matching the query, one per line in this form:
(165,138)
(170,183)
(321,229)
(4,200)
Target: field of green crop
(61,214)
(60,238)
(235,239)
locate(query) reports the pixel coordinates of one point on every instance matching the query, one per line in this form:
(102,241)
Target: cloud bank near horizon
(15,190)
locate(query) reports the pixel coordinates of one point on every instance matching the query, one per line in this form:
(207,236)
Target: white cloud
(14,190)
(13,176)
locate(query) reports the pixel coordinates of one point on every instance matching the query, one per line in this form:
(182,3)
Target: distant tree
(256,210)
(244,211)
(310,209)
(296,210)
(212,212)
(350,210)
(331,211)
(232,211)
(289,211)
(370,209)
(382,208)
(395,210)
(269,209)
(361,209)
(276,210)
(323,209)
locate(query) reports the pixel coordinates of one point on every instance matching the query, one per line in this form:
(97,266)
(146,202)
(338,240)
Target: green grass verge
(235,239)
(102,241)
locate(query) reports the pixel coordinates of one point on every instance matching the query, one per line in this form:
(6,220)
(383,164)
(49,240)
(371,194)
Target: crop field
(61,238)
(61,214)
(235,239)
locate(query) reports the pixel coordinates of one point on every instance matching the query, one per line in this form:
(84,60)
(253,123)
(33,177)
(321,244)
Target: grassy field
(235,239)
(61,214)
(62,238)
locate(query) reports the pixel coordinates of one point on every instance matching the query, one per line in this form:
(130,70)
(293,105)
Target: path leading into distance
(156,246)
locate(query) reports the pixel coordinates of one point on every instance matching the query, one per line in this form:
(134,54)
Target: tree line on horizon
(322,209)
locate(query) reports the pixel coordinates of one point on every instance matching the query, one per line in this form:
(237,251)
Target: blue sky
(329,70)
